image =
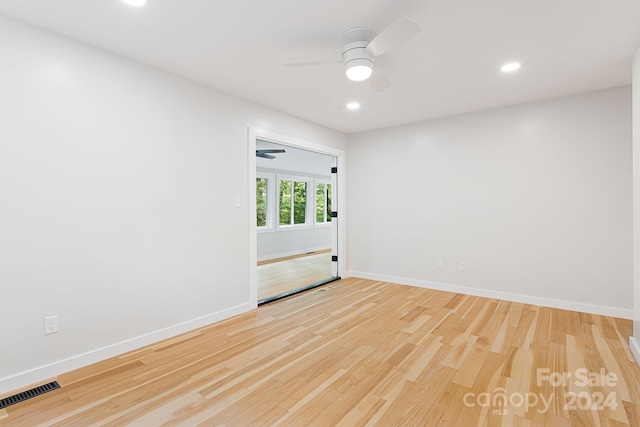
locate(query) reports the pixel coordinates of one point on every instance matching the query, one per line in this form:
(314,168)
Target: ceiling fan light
(358,70)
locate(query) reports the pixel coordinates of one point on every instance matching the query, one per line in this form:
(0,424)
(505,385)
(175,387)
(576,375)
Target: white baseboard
(292,253)
(634,345)
(525,299)
(50,371)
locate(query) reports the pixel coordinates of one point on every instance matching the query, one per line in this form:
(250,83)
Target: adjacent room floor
(285,274)
(358,352)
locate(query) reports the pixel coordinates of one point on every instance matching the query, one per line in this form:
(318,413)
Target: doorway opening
(296,230)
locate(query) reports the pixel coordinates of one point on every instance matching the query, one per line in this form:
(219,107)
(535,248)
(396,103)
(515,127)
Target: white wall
(117,186)
(635,340)
(535,198)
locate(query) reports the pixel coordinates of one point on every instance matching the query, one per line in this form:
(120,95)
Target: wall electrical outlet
(463,266)
(50,325)
(440,263)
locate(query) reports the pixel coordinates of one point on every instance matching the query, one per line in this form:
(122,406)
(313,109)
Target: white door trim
(257,133)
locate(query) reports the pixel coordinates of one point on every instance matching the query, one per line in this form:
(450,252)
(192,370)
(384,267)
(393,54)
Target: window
(265,183)
(293,201)
(323,202)
(261,201)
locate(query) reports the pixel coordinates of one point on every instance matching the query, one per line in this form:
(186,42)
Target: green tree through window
(323,203)
(328,203)
(320,196)
(300,203)
(285,202)
(293,202)
(261,201)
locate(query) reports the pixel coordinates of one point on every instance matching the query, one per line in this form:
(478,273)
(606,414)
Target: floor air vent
(26,395)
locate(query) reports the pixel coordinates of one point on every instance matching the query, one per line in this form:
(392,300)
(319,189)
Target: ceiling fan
(266,154)
(360,46)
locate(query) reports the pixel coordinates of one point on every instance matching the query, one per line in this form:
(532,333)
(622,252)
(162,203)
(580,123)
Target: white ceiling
(451,67)
(295,160)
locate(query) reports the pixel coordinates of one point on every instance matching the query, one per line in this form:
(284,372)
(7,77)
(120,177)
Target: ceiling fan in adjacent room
(266,154)
(360,46)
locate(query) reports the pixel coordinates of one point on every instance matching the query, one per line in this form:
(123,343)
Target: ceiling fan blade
(392,36)
(266,154)
(310,63)
(279,150)
(379,81)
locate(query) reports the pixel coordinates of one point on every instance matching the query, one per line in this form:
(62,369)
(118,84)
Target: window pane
(300,203)
(328,202)
(285,202)
(320,203)
(261,201)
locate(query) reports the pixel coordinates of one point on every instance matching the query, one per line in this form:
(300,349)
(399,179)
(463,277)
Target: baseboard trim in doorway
(296,256)
(291,254)
(296,291)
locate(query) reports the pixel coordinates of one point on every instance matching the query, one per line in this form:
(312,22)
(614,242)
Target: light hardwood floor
(359,352)
(286,274)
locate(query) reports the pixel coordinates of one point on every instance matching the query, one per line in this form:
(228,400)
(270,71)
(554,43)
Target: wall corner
(634,341)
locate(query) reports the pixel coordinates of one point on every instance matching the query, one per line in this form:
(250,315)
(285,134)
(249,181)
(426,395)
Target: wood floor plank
(360,352)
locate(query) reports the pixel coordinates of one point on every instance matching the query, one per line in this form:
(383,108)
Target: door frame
(266,135)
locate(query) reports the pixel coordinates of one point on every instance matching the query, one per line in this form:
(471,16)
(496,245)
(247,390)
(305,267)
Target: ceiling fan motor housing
(354,42)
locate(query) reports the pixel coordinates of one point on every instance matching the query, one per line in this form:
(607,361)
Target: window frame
(271,199)
(326,223)
(308,206)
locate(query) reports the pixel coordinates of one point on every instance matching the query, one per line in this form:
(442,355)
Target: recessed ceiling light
(353,106)
(512,66)
(135,3)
